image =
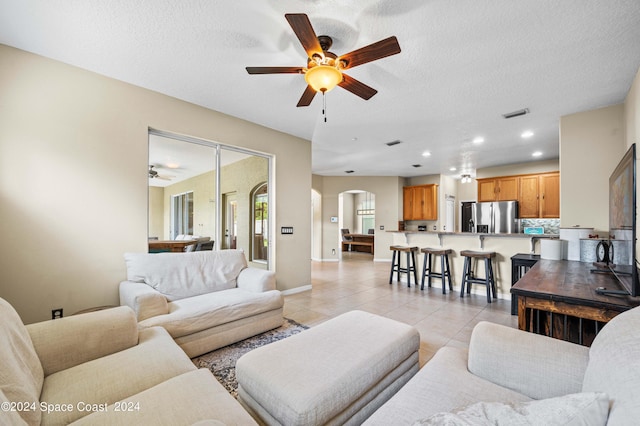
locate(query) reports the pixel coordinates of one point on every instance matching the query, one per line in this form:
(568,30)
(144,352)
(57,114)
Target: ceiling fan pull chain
(324,105)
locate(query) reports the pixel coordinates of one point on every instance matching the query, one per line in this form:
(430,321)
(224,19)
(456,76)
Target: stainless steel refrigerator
(497,217)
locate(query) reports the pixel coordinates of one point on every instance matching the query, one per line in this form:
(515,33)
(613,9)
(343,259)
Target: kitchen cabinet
(539,196)
(420,202)
(550,200)
(498,189)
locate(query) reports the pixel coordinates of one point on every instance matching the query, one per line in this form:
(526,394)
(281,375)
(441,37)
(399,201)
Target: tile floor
(359,283)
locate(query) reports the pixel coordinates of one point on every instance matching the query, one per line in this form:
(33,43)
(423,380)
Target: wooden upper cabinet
(550,195)
(420,202)
(540,196)
(529,198)
(498,189)
(507,188)
(486,190)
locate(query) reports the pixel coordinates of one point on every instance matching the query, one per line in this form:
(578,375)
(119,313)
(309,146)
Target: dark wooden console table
(558,298)
(359,242)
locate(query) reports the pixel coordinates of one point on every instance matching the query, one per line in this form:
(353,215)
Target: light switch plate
(286,230)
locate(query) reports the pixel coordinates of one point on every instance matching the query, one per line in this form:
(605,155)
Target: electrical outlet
(333,251)
(56,313)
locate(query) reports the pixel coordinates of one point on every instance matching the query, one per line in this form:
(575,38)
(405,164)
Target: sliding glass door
(212,192)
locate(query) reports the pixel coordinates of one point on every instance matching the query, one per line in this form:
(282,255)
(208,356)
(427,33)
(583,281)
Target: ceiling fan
(155,175)
(324,69)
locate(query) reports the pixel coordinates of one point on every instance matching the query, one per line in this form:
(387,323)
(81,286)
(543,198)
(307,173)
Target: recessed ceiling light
(452,169)
(537,154)
(478,139)
(526,134)
(426,154)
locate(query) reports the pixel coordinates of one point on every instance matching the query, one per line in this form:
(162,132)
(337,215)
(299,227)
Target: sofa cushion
(7,415)
(180,275)
(21,374)
(198,398)
(614,366)
(193,314)
(578,409)
(115,377)
(443,384)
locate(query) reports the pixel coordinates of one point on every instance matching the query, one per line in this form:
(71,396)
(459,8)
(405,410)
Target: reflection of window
(260,231)
(182,214)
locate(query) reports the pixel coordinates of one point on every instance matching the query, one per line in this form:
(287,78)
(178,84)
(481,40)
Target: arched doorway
(356,220)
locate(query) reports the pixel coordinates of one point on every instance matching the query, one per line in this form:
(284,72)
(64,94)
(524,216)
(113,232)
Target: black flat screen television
(622,224)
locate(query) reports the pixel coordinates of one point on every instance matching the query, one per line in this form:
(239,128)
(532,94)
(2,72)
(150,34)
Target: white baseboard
(296,290)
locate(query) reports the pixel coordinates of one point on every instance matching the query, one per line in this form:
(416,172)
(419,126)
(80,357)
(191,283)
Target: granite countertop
(477,234)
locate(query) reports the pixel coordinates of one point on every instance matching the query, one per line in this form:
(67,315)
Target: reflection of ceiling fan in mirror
(155,175)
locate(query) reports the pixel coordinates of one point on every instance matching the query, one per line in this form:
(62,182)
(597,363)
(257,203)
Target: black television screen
(622,222)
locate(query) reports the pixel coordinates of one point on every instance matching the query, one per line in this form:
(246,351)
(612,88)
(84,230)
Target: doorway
(230,221)
(357,217)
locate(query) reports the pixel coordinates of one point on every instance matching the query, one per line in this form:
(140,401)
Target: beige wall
(73,181)
(591,145)
(388,196)
(632,113)
(519,169)
(156,213)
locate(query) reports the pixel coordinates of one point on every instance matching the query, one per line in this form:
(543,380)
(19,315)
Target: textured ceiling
(463,64)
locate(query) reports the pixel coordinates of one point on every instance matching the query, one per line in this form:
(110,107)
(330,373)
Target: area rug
(222,362)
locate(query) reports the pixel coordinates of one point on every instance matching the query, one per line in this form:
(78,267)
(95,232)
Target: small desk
(558,298)
(360,242)
(174,246)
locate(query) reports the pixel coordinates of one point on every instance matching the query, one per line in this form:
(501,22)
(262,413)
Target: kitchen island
(505,246)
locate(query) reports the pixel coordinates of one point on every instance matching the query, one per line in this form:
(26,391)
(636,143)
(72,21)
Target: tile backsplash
(551,226)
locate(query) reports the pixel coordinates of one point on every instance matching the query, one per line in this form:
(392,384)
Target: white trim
(296,290)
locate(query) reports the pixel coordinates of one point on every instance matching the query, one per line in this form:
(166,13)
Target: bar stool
(445,270)
(411,263)
(468,275)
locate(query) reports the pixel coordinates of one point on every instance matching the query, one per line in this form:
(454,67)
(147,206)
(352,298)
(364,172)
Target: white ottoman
(338,372)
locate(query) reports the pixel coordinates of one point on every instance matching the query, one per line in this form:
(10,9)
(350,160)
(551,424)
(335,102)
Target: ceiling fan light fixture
(323,78)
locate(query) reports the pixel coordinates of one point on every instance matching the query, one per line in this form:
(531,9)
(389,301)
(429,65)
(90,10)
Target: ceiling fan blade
(302,28)
(274,70)
(307,97)
(381,49)
(356,87)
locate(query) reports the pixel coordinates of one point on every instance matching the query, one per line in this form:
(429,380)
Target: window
(260,231)
(182,214)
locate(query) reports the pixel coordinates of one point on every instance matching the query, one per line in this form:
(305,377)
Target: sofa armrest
(145,301)
(535,365)
(74,340)
(256,280)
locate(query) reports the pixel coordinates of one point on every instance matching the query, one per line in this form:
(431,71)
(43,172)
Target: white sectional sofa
(510,376)
(205,299)
(98,369)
